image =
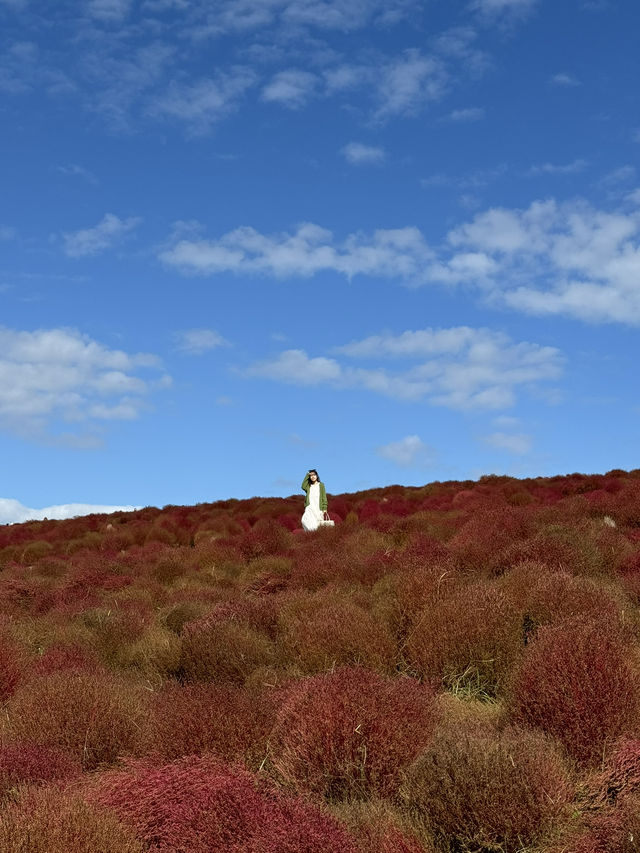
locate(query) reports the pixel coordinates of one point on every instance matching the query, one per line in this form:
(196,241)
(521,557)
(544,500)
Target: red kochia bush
(349,733)
(199,805)
(11,666)
(474,633)
(228,721)
(295,826)
(326,629)
(577,682)
(193,805)
(479,788)
(215,649)
(21,763)
(50,820)
(92,715)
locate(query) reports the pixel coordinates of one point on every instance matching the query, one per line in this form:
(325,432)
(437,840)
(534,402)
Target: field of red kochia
(453,668)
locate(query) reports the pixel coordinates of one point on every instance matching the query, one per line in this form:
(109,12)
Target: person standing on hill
(315,504)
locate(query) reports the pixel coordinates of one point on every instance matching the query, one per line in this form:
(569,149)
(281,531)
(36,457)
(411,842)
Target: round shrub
(467,640)
(91,715)
(192,805)
(478,789)
(22,763)
(319,631)
(349,733)
(49,820)
(230,722)
(545,597)
(292,825)
(577,682)
(376,826)
(12,665)
(229,651)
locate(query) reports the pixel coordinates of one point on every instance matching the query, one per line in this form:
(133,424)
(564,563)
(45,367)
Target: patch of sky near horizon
(134,153)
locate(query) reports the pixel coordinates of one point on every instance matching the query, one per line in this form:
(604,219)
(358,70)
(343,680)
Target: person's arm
(323,498)
(305,483)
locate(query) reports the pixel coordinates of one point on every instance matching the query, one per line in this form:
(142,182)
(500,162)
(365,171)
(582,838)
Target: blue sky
(397,241)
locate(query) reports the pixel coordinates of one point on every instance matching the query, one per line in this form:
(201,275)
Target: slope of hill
(454,667)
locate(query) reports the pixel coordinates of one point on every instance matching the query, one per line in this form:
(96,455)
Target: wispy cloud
(408,452)
(468,114)
(74,170)
(202,103)
(460,368)
(410,82)
(8,232)
(91,241)
(564,79)
(59,376)
(13,512)
(516,443)
(359,154)
(396,253)
(291,88)
(578,165)
(109,10)
(503,8)
(198,341)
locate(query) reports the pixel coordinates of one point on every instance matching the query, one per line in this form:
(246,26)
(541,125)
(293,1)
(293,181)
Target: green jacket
(306,485)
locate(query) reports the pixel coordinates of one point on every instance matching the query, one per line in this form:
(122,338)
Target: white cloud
(516,443)
(59,376)
(621,175)
(553,258)
(204,102)
(408,452)
(13,512)
(395,253)
(198,341)
(74,170)
(109,10)
(359,154)
(291,88)
(559,169)
(459,368)
(7,232)
(503,8)
(564,79)
(409,82)
(466,115)
(92,241)
(549,258)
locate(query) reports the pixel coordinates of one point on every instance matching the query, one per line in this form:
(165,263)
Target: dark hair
(313,471)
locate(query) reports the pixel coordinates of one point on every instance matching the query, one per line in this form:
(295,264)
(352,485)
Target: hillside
(454,667)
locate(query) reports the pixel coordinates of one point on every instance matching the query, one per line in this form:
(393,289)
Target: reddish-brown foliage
(49,820)
(12,665)
(226,721)
(224,650)
(471,636)
(192,805)
(92,715)
(577,681)
(291,825)
(349,733)
(544,597)
(22,763)
(322,630)
(480,789)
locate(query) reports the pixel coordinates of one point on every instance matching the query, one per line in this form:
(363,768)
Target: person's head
(313,475)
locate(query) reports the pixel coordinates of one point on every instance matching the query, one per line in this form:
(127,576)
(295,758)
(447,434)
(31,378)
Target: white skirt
(312,518)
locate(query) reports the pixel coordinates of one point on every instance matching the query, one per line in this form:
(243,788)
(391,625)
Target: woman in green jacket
(315,503)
